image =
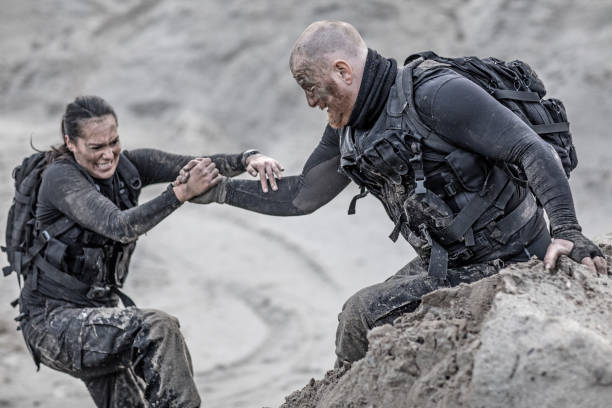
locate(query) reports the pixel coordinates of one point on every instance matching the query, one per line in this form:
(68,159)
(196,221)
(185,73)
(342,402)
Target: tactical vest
(79,265)
(451,205)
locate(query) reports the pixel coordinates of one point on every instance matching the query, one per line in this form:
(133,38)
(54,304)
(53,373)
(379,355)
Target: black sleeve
(65,189)
(318,184)
(156,166)
(470,118)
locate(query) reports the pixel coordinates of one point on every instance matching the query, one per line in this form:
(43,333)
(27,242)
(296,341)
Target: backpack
(516,86)
(23,240)
(20,223)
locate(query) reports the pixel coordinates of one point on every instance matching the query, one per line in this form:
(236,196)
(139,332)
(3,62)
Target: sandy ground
(257,296)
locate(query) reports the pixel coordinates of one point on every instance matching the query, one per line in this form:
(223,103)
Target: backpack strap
(54,230)
(129,174)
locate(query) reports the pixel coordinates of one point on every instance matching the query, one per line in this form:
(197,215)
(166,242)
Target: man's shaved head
(327,62)
(323,40)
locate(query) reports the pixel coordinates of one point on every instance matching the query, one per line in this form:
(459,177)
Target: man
(359,89)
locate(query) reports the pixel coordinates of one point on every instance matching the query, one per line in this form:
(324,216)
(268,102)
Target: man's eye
(114,142)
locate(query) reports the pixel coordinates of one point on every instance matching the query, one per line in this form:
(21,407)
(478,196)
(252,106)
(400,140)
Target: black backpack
(23,241)
(20,223)
(517,86)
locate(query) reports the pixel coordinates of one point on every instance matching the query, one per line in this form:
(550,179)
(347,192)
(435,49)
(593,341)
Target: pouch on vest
(55,252)
(468,168)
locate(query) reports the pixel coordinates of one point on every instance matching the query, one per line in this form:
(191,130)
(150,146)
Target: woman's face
(98,148)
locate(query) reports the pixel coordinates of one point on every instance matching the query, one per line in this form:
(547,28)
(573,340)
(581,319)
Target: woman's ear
(69,143)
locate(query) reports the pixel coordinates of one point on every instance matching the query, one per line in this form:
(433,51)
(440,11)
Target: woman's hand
(195,178)
(267,168)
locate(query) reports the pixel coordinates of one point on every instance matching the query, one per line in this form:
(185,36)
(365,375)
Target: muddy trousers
(384,302)
(127,357)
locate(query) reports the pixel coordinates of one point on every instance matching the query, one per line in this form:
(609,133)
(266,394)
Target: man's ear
(344,70)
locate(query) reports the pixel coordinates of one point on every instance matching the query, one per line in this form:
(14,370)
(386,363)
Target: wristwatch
(246,154)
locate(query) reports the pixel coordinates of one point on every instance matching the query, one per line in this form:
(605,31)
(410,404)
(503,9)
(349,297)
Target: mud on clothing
(466,117)
(127,357)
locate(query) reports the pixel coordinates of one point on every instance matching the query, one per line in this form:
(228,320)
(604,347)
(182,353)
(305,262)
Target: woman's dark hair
(77,111)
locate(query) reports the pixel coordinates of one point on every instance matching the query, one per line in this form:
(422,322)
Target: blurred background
(258,296)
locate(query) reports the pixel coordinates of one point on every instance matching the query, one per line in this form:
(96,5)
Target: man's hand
(265,167)
(195,178)
(577,247)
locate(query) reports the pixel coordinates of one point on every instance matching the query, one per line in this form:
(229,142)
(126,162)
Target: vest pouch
(389,157)
(469,168)
(55,252)
(94,268)
(122,263)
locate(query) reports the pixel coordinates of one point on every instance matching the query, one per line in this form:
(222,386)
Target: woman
(87,213)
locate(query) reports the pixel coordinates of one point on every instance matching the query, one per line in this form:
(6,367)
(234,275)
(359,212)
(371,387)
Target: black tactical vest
(451,205)
(81,266)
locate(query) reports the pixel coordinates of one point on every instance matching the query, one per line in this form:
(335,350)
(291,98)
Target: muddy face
(326,91)
(98,148)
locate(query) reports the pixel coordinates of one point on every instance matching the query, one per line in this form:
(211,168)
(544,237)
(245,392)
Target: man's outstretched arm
(318,184)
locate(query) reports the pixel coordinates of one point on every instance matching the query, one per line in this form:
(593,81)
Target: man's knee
(356,309)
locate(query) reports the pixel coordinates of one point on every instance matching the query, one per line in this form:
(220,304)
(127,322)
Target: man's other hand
(267,168)
(580,249)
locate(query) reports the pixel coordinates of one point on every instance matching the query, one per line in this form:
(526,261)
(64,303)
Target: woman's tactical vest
(451,205)
(81,266)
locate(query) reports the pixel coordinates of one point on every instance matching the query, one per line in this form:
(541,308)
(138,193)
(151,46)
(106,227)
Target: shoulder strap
(129,172)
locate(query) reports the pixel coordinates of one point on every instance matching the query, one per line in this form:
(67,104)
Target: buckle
(450,189)
(96,292)
(420,187)
(463,254)
(45,235)
(416,158)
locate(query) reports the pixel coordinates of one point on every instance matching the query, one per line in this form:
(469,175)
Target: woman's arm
(156,166)
(65,189)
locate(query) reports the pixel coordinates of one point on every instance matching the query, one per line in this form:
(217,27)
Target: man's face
(98,148)
(325,89)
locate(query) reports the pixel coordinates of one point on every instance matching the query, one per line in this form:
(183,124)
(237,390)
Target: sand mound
(522,338)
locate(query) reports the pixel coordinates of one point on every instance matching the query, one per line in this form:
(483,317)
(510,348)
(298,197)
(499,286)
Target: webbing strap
(517,219)
(516,95)
(438,261)
(125,299)
(59,277)
(551,128)
(57,228)
(362,193)
(69,287)
(22,198)
(475,208)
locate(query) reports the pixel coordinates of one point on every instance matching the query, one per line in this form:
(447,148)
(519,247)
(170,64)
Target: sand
(258,296)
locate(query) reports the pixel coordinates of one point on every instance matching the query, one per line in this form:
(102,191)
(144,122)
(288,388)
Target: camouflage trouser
(127,357)
(382,303)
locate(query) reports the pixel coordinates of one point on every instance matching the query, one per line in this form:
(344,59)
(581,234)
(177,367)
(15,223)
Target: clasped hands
(201,175)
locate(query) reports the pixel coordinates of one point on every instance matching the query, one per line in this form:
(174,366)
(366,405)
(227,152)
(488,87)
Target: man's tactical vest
(451,205)
(71,263)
